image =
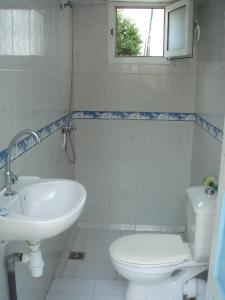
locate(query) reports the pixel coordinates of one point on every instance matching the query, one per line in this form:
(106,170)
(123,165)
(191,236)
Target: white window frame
(187,51)
(112,38)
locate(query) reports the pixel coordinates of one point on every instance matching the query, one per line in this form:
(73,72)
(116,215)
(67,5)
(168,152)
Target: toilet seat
(155,265)
(149,250)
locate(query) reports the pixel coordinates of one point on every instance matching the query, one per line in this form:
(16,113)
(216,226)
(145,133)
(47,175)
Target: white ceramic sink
(42,208)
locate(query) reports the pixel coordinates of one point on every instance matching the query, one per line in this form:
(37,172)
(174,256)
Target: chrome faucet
(11,177)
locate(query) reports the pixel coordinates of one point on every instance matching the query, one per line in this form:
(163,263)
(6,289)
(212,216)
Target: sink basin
(41,208)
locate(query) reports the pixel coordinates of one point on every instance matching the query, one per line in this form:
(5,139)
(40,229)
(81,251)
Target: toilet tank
(200,220)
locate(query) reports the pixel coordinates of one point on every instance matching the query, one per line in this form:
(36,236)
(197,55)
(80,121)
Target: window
(139,31)
(150,32)
(21,32)
(179,29)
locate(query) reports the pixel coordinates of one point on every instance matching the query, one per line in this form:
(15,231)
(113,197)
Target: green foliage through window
(128,39)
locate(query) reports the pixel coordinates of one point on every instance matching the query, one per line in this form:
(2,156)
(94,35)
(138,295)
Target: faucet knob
(13,177)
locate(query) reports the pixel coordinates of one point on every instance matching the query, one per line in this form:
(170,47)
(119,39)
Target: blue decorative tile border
(116,115)
(214,131)
(154,116)
(28,142)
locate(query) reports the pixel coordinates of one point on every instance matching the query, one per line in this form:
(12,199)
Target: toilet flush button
(209,191)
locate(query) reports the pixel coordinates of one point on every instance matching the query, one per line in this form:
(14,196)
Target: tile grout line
(95,288)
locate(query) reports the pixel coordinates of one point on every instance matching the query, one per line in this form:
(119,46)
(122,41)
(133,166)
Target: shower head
(67,4)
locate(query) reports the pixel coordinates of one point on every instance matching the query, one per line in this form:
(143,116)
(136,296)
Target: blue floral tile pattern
(214,131)
(28,142)
(116,115)
(3,155)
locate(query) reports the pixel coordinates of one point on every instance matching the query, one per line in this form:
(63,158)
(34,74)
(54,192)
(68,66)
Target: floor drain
(74,255)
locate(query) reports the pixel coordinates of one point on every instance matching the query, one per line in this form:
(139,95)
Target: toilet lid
(149,249)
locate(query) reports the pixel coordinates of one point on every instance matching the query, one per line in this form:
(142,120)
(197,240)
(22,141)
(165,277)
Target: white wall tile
(102,236)
(123,174)
(140,156)
(210,90)
(122,207)
(93,171)
(150,208)
(96,208)
(8,100)
(149,174)
(80,240)
(121,136)
(92,137)
(206,156)
(129,157)
(32,96)
(103,86)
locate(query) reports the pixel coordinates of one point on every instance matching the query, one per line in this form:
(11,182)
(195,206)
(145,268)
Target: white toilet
(162,266)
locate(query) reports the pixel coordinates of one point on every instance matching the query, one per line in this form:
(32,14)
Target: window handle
(111,32)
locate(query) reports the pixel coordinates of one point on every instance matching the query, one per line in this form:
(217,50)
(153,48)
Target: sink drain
(75,255)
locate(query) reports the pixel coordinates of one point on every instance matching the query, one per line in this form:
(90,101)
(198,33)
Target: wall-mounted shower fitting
(68,141)
(67,131)
(64,4)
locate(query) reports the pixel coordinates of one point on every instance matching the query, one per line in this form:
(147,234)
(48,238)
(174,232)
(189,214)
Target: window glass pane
(36,33)
(21,32)
(176,29)
(139,31)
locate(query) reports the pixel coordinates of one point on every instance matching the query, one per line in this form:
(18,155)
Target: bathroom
(143,133)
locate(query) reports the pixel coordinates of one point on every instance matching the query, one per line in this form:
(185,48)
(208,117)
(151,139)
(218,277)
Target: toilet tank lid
(202,203)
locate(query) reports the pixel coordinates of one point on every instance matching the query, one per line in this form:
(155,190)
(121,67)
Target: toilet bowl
(162,266)
(155,265)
